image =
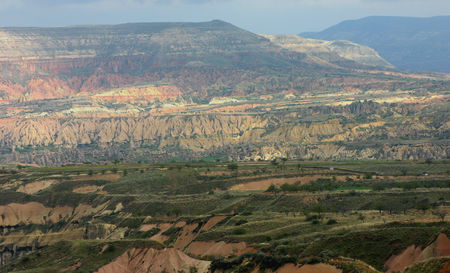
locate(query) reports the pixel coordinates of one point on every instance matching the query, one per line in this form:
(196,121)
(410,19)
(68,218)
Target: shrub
(378,187)
(110,248)
(312,217)
(241,222)
(272,188)
(271,262)
(137,234)
(227,196)
(331,222)
(239,231)
(289,187)
(311,260)
(232,167)
(131,222)
(172,231)
(328,254)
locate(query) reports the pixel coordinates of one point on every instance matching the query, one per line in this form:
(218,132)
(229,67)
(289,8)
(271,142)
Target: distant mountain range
(421,44)
(202,59)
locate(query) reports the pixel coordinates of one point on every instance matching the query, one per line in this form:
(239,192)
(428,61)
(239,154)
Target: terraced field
(272,216)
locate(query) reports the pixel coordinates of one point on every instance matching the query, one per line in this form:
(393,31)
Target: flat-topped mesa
(57,62)
(202,60)
(18,44)
(333,52)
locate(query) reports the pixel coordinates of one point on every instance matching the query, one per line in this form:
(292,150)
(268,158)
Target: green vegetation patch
(90,255)
(376,246)
(430,266)
(249,261)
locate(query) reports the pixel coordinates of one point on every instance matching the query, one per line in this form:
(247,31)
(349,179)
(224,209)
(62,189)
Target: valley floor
(254,216)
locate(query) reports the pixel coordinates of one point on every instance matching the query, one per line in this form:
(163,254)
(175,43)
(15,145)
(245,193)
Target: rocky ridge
(333,52)
(240,136)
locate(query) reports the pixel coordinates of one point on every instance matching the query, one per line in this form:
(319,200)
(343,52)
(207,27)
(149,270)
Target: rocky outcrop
(27,227)
(34,187)
(31,213)
(439,248)
(124,40)
(168,260)
(215,249)
(332,52)
(50,141)
(9,253)
(15,214)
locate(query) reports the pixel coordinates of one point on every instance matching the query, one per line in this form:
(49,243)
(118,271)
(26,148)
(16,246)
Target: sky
(260,16)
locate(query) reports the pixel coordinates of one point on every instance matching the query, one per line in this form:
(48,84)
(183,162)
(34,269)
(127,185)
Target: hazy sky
(262,16)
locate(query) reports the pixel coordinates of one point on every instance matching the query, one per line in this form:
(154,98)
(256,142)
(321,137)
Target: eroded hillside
(278,216)
(362,130)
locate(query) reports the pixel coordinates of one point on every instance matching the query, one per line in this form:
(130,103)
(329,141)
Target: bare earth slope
(153,260)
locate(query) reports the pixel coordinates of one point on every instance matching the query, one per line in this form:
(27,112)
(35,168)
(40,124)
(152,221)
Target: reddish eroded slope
(212,222)
(439,248)
(15,214)
(61,78)
(146,260)
(216,249)
(144,95)
(188,232)
(36,186)
(191,231)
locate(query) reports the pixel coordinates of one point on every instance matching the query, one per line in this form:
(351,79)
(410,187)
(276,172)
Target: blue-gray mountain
(421,44)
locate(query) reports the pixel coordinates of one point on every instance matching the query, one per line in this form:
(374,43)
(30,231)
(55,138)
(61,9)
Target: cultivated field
(278,216)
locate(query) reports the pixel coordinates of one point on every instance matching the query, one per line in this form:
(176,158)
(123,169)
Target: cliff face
(332,52)
(150,260)
(12,252)
(256,136)
(158,39)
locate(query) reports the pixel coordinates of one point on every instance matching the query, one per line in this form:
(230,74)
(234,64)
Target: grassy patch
(90,255)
